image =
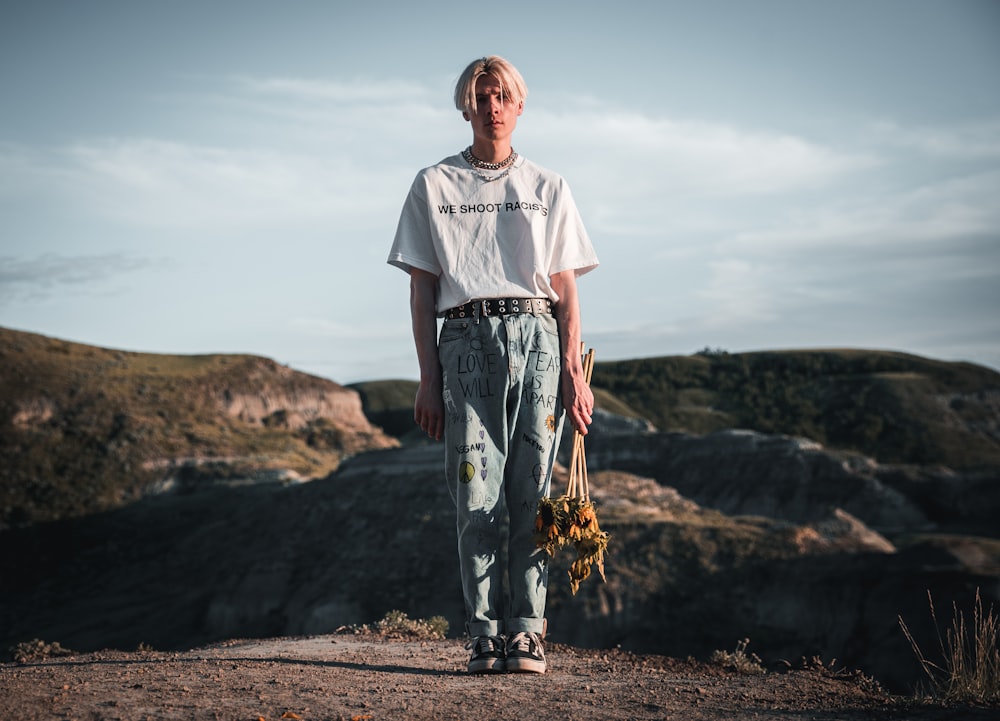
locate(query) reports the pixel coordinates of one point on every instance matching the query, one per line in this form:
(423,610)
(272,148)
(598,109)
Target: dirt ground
(370,678)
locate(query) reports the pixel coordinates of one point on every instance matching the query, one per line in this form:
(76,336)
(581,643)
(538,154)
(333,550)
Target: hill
(894,407)
(84,429)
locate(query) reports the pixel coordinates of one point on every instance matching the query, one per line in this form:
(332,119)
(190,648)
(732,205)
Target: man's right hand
(428,408)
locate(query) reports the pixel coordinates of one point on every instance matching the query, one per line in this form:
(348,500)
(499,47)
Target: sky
(226,177)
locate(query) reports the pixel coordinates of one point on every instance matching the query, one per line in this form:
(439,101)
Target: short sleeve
(413,245)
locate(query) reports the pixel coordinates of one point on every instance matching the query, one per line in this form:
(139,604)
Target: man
(494,244)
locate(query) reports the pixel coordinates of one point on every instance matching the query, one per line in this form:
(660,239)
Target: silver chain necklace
(478,165)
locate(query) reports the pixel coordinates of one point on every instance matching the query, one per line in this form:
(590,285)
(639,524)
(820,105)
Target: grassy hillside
(85,428)
(894,407)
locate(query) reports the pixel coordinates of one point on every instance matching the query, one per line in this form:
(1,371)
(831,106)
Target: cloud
(375,119)
(924,219)
(646,177)
(27,172)
(51,274)
(738,291)
(898,266)
(157,183)
(372,91)
(649,155)
(283,153)
(171,184)
(345,331)
(965,141)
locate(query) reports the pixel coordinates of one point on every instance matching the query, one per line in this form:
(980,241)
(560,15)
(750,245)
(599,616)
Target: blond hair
(512,85)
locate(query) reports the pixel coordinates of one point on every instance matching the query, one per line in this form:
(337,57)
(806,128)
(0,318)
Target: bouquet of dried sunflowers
(571,519)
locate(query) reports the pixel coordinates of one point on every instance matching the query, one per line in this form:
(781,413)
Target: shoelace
(521,642)
(485,644)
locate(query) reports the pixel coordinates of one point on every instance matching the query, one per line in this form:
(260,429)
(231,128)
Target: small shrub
(396,624)
(37,650)
(710,352)
(970,656)
(738,660)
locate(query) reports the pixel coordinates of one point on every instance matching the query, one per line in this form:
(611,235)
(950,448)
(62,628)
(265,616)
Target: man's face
(494,119)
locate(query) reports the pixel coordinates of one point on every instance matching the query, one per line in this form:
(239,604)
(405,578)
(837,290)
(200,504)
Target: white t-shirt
(499,239)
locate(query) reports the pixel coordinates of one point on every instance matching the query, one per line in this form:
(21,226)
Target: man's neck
(491,152)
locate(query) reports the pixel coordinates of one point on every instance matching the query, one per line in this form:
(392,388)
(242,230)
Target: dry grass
(38,650)
(969,670)
(396,624)
(739,660)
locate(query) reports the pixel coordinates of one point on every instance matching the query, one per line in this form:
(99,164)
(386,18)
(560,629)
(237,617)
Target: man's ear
(465,115)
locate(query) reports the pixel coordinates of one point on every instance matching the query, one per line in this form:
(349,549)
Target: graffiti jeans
(501,379)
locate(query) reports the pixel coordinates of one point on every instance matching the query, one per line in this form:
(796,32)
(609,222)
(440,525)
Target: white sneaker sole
(487,665)
(525,665)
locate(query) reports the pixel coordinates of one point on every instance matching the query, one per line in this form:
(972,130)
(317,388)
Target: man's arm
(577,396)
(428,407)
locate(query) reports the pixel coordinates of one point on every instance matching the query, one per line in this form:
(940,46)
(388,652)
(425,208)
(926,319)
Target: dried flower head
(565,521)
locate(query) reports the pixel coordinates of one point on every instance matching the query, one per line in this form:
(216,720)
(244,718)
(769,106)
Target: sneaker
(525,653)
(487,655)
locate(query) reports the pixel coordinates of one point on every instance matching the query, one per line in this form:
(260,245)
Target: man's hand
(428,408)
(576,394)
(578,400)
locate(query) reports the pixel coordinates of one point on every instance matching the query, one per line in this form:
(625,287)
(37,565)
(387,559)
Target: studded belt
(500,306)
